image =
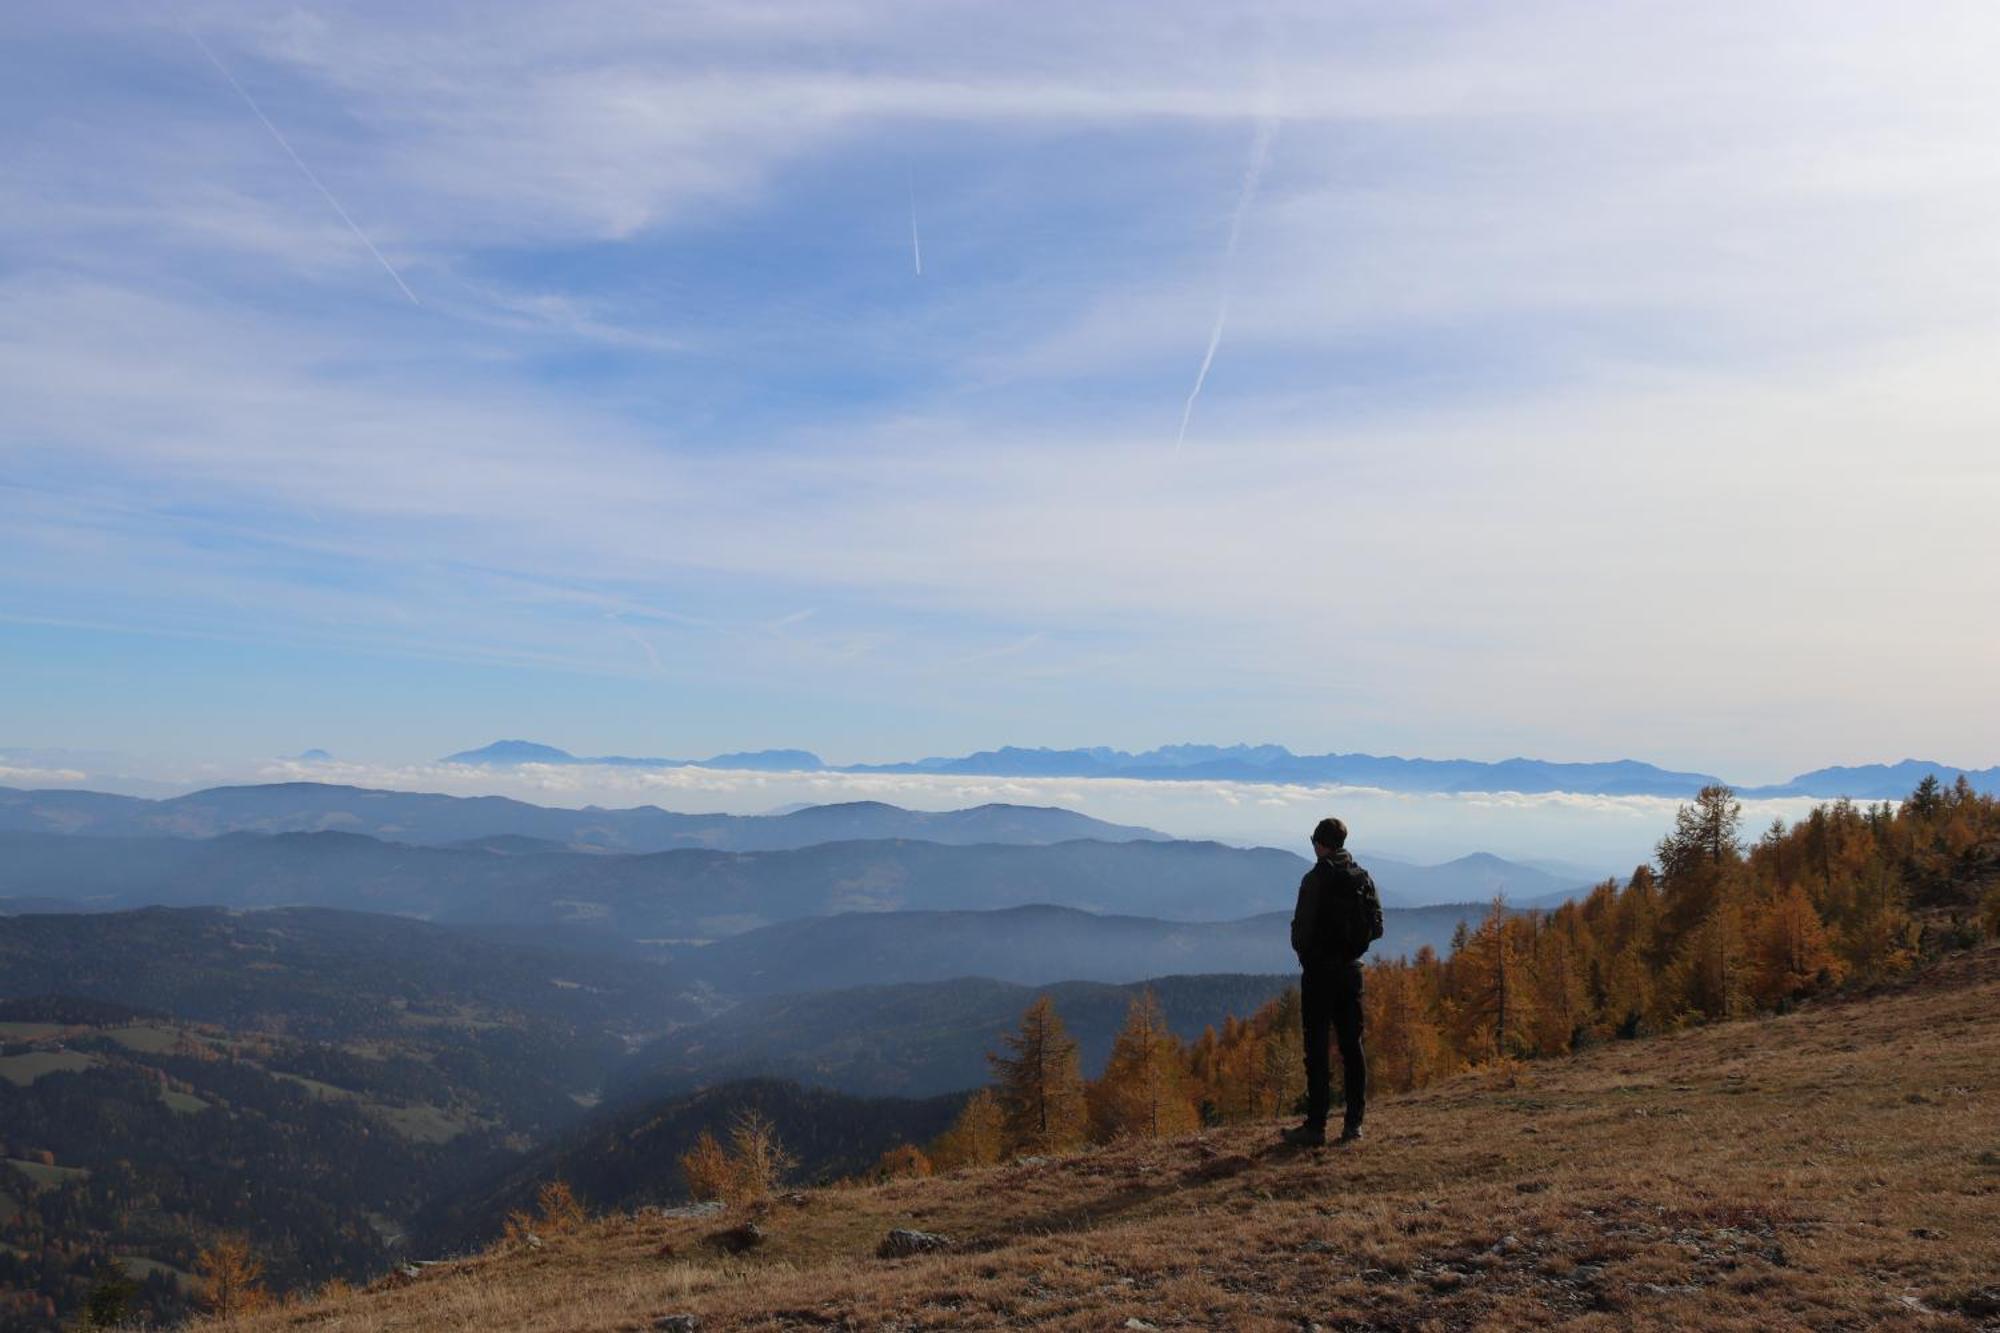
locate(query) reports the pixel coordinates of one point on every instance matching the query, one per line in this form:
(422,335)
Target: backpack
(1356,912)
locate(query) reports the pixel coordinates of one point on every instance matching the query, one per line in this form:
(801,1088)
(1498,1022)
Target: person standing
(1339,915)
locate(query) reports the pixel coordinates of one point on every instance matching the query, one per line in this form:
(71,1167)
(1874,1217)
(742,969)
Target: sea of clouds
(1603,834)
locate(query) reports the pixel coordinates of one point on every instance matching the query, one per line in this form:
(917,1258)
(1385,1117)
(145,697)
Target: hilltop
(1836,1166)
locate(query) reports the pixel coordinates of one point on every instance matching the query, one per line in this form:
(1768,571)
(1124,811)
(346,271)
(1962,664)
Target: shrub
(905,1161)
(707,1169)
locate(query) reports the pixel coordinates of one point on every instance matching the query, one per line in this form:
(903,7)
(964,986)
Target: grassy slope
(1839,1167)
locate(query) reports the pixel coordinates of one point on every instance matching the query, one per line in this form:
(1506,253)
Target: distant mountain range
(507,753)
(500,824)
(672,895)
(528,835)
(1275,763)
(1878,782)
(1478,878)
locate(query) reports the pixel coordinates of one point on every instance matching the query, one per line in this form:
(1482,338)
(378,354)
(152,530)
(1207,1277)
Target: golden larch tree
(232,1278)
(1041,1084)
(1145,1089)
(977,1138)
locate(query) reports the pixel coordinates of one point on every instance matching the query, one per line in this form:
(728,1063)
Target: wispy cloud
(1253,174)
(1533,353)
(304,170)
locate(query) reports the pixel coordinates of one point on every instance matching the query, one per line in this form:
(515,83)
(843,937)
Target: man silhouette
(1338,916)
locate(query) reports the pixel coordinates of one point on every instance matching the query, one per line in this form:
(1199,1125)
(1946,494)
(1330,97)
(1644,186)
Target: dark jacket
(1339,913)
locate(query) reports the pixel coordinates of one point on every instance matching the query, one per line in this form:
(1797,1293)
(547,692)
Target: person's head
(1329,836)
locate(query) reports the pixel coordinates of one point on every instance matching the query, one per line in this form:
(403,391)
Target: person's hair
(1330,832)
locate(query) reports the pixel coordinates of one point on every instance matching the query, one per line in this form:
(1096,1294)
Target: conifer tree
(1713,974)
(1492,983)
(1144,1092)
(1041,1084)
(1560,971)
(1280,1073)
(231,1278)
(707,1170)
(1697,855)
(977,1138)
(1406,1047)
(1791,952)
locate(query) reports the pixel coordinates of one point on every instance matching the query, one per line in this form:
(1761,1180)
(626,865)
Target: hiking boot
(1305,1136)
(1350,1132)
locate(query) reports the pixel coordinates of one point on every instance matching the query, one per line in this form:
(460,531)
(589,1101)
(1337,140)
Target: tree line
(1716,927)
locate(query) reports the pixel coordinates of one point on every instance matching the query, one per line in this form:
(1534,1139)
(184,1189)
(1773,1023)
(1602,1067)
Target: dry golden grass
(1835,1168)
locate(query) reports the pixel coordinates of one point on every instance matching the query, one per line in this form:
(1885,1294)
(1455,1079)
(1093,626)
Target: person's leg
(1346,1014)
(1316,1001)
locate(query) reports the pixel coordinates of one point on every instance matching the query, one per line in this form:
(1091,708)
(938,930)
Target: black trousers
(1330,995)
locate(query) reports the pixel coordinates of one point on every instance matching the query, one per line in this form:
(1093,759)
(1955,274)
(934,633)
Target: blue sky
(1590,381)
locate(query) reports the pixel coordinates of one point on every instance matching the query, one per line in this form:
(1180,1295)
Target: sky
(1567,380)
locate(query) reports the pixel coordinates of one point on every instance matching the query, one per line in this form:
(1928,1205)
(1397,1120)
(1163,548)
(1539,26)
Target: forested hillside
(132,1143)
(1833,1167)
(918,1039)
(1848,898)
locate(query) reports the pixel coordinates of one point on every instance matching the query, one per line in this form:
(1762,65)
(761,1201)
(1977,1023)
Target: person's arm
(1303,916)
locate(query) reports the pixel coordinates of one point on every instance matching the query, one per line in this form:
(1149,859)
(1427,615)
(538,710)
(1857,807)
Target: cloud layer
(1608,832)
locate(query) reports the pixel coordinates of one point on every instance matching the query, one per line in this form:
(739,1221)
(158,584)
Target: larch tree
(977,1138)
(1280,1074)
(1494,987)
(1041,1084)
(1712,978)
(1790,952)
(1695,858)
(231,1278)
(1144,1092)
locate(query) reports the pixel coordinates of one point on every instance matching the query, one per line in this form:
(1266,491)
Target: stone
(677,1323)
(708,1208)
(903,1241)
(737,1240)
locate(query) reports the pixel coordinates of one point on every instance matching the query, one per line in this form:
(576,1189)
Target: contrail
(916,246)
(1253,174)
(300,163)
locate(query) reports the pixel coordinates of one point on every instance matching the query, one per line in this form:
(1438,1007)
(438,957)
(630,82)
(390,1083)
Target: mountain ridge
(1269,762)
(434,818)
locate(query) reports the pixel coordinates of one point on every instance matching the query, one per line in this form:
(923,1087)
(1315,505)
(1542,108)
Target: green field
(323,1091)
(146,1038)
(21,1070)
(28,1031)
(184,1103)
(419,1124)
(48,1176)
